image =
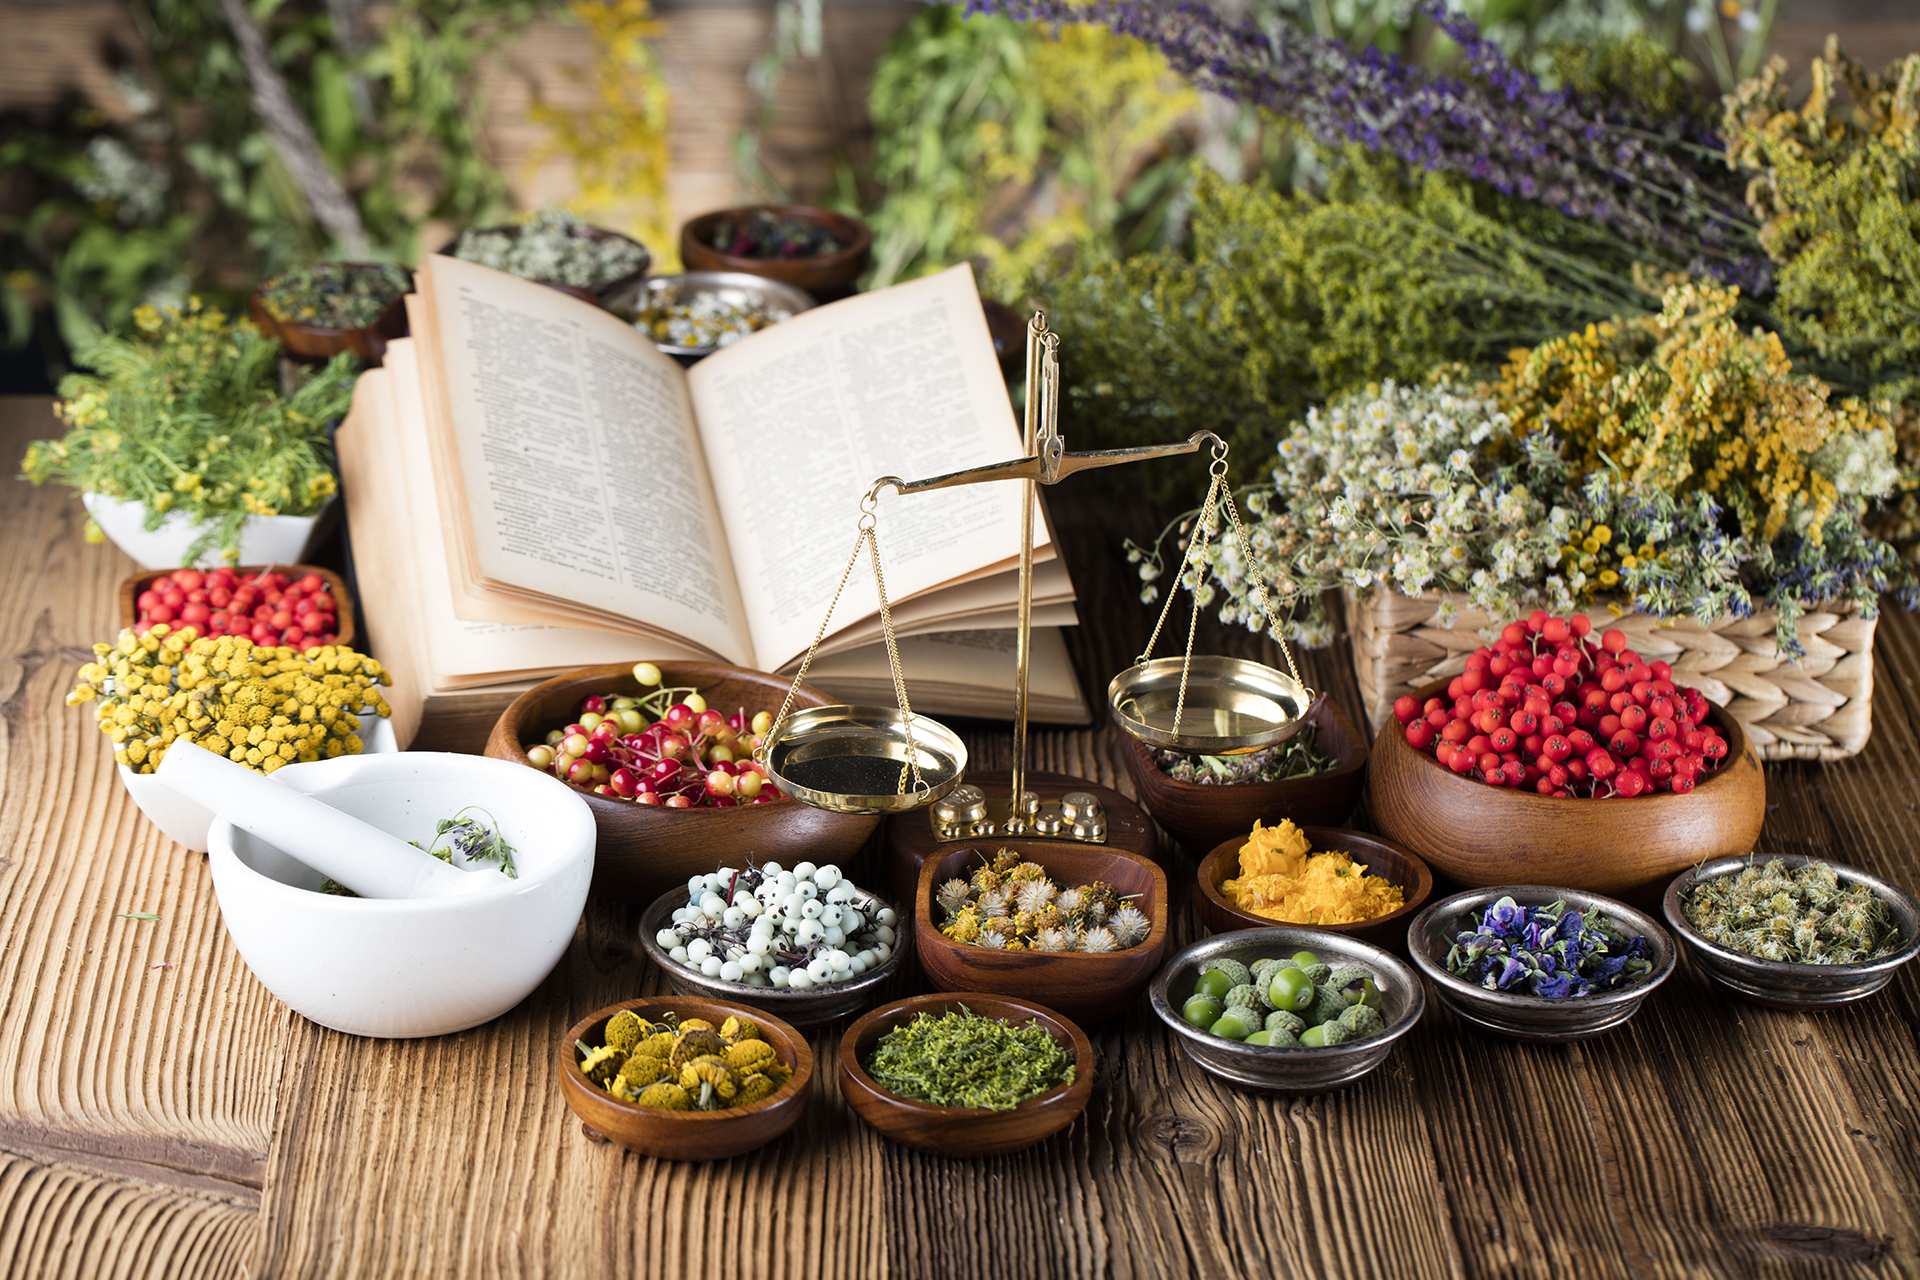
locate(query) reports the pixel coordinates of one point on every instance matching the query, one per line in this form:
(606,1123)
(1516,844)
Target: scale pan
(1232,704)
(850,759)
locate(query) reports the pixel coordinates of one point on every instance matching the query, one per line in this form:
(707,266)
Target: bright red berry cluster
(267,608)
(1548,708)
(691,757)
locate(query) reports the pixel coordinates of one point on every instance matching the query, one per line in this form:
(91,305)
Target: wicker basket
(1819,707)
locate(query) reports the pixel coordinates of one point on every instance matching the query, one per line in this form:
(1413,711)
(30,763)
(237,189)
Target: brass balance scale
(887,760)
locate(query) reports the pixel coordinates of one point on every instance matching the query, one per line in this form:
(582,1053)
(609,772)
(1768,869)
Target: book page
(582,476)
(800,419)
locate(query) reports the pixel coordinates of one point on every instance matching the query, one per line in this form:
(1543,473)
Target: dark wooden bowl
(600,294)
(1480,835)
(1381,857)
(826,276)
(963,1132)
(1200,817)
(323,342)
(133,584)
(687,1135)
(1086,988)
(646,850)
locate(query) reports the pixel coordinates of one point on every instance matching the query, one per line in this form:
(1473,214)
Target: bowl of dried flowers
(685,1079)
(1328,878)
(1076,927)
(817,250)
(1793,932)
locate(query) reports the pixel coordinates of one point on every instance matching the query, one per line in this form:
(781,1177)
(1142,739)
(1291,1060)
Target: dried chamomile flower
(600,1063)
(623,1031)
(658,1044)
(711,1081)
(1363,1020)
(695,1024)
(1803,916)
(736,1029)
(747,1055)
(695,1043)
(637,1073)
(753,1088)
(667,1096)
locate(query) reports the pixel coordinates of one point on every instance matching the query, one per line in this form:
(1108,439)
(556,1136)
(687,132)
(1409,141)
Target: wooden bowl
(646,850)
(687,1135)
(964,1132)
(1086,988)
(133,584)
(1201,816)
(323,342)
(1480,835)
(827,276)
(1382,858)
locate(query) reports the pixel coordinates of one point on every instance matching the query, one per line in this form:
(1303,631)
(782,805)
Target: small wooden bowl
(132,585)
(687,1135)
(964,1132)
(1086,988)
(829,275)
(1480,835)
(1382,858)
(1200,816)
(323,342)
(646,850)
(602,294)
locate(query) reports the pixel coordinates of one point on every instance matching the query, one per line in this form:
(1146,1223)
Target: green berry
(1290,989)
(1202,1010)
(1213,983)
(1258,1037)
(1236,1024)
(1301,959)
(1235,971)
(1314,1037)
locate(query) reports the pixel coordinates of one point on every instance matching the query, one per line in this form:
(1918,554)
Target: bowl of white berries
(805,944)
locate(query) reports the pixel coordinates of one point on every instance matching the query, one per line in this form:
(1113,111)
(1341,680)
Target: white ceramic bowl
(263,539)
(183,821)
(399,968)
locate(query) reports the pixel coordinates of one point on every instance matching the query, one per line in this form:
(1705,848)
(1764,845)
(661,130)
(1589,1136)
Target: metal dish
(1269,1067)
(1536,1019)
(735,288)
(1232,704)
(1775,983)
(854,759)
(809,1008)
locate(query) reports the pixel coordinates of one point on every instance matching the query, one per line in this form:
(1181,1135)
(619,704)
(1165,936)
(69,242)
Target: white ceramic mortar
(416,967)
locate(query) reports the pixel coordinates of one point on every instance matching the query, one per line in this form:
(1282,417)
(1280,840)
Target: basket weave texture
(1818,707)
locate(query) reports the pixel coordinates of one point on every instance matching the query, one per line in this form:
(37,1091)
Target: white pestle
(367,860)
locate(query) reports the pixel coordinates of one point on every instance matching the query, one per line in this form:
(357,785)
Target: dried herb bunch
(1013,905)
(962,1059)
(186,414)
(334,295)
(1795,916)
(1297,757)
(554,247)
(684,1064)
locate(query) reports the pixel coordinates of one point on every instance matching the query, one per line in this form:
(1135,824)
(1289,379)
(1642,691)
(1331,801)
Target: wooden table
(162,1114)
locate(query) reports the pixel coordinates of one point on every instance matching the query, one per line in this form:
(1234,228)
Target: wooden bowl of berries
(298,605)
(1314,778)
(817,250)
(1597,774)
(691,798)
(911,1068)
(1078,927)
(610,1079)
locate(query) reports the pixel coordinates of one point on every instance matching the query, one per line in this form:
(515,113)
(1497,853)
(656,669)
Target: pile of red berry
(1548,708)
(266,608)
(689,757)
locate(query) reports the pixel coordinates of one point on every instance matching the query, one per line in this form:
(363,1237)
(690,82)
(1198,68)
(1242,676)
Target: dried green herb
(1297,757)
(334,295)
(553,246)
(962,1059)
(1801,916)
(473,839)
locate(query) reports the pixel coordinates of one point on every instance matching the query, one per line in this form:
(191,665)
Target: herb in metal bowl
(1548,951)
(1297,757)
(1803,916)
(706,320)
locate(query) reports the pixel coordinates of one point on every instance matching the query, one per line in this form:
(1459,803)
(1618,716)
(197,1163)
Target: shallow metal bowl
(1536,1019)
(1775,983)
(854,759)
(1272,1068)
(1231,704)
(809,1008)
(735,288)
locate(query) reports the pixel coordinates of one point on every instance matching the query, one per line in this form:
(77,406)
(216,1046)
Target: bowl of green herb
(1315,778)
(1793,932)
(1540,964)
(560,251)
(965,1075)
(317,312)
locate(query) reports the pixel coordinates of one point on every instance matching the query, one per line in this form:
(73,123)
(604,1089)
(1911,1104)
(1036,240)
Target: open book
(533,487)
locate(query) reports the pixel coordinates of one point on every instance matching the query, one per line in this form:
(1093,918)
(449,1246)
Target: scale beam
(1046,468)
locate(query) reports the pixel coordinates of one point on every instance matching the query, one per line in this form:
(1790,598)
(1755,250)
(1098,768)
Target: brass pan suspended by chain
(851,759)
(1232,705)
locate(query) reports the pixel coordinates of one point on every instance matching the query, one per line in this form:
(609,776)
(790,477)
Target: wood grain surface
(162,1115)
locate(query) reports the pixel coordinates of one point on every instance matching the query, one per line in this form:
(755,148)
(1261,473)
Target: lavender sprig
(1496,124)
